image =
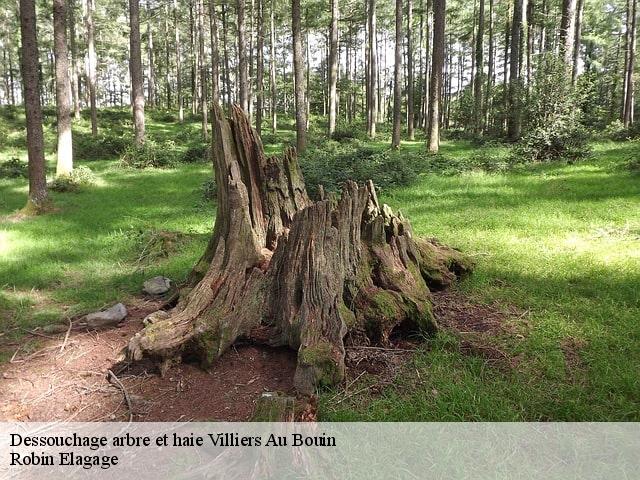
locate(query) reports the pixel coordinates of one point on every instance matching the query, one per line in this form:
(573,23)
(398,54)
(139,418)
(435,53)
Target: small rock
(157,286)
(107,318)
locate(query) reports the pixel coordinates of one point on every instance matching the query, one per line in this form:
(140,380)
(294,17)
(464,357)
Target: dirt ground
(72,383)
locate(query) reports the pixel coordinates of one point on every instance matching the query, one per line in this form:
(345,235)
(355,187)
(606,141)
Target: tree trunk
(242,57)
(631,46)
(333,65)
(435,88)
(227,80)
(567,31)
(204,107)
(135,69)
(152,79)
(514,114)
(38,196)
(286,270)
(63,89)
(410,92)
(372,97)
(272,70)
(75,84)
(479,83)
(397,78)
(91,64)
(577,41)
(488,100)
(178,63)
(215,54)
(298,67)
(260,67)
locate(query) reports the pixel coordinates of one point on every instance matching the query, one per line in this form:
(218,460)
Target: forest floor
(545,329)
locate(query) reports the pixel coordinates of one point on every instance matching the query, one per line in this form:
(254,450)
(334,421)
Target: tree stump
(307,273)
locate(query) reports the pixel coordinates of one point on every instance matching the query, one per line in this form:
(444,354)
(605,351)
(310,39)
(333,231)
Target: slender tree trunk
(487,106)
(298,67)
(427,65)
(152,77)
(505,68)
(333,65)
(567,31)
(63,89)
(167,58)
(74,60)
(260,67)
(38,195)
(242,57)
(410,83)
(215,56)
(193,57)
(227,71)
(272,70)
(478,85)
(631,45)
(514,112)
(372,100)
(176,32)
(577,41)
(433,132)
(397,78)
(204,107)
(91,64)
(135,69)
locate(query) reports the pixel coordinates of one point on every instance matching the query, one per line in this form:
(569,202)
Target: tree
(260,67)
(272,70)
(410,92)
(372,71)
(514,118)
(91,63)
(628,100)
(298,67)
(75,83)
(397,78)
(215,54)
(178,62)
(243,84)
(333,65)
(298,272)
(435,87)
(135,69)
(479,82)
(567,30)
(38,199)
(203,73)
(63,89)
(151,77)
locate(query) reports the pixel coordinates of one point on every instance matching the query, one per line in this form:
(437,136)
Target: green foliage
(209,190)
(151,155)
(14,168)
(79,177)
(196,152)
(553,127)
(103,146)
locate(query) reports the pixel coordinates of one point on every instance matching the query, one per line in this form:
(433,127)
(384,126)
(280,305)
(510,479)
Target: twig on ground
(66,337)
(384,349)
(38,334)
(114,380)
(13,357)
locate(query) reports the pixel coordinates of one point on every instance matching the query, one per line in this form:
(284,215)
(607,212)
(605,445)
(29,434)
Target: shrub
(558,140)
(103,145)
(196,153)
(78,178)
(14,168)
(150,154)
(209,190)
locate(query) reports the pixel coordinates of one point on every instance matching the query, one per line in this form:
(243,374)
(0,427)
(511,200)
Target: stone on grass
(107,318)
(157,286)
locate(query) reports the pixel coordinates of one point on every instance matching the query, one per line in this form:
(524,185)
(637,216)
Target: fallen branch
(115,381)
(66,336)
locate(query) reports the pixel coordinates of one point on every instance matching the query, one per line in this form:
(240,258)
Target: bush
(209,190)
(102,146)
(150,154)
(196,153)
(618,132)
(14,168)
(558,140)
(78,178)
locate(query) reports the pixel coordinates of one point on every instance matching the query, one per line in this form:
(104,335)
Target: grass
(560,242)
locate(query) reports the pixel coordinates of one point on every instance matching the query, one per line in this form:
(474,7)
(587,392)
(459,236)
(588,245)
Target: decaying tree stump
(306,272)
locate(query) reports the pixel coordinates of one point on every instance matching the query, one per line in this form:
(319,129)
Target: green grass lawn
(559,242)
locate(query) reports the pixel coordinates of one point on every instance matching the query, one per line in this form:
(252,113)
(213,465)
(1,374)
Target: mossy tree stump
(307,272)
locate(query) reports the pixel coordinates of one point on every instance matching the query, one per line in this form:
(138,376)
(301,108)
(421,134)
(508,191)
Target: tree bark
(333,65)
(397,78)
(272,70)
(514,116)
(204,107)
(38,195)
(75,84)
(242,57)
(260,66)
(64,165)
(286,270)
(478,85)
(577,41)
(215,54)
(435,88)
(176,31)
(567,31)
(152,78)
(372,97)
(135,70)
(298,67)
(91,64)
(631,47)
(410,91)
